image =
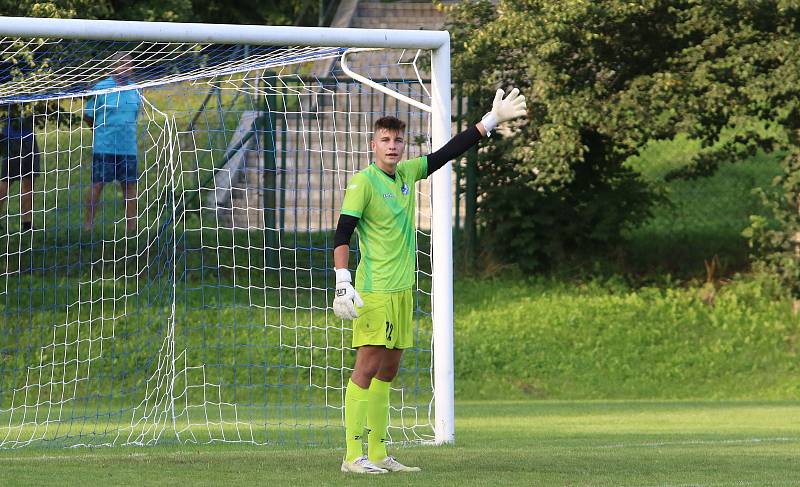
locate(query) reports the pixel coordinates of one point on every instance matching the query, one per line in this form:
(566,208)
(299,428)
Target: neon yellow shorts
(386,319)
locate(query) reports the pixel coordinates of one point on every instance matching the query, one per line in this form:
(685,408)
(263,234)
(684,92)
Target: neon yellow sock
(378,419)
(355,413)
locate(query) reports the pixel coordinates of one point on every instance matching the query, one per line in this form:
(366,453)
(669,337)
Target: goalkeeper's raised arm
(503,109)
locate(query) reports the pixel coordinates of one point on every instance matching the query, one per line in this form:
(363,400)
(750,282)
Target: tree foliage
(272,12)
(603,78)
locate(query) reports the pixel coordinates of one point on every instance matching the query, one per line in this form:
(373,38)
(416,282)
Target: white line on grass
(698,442)
(734,482)
(133,455)
(136,455)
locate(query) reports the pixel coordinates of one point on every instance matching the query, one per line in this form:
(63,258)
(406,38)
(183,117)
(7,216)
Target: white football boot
(361,465)
(392,465)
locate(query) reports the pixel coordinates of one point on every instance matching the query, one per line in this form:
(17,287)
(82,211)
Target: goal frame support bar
(442,251)
(437,41)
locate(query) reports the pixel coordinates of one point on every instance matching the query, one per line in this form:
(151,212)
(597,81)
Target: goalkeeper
(379,202)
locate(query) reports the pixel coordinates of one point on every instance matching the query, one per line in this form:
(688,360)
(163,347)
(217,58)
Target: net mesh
(209,321)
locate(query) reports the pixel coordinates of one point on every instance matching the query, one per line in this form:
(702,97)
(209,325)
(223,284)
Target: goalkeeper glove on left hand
(347,298)
(504,109)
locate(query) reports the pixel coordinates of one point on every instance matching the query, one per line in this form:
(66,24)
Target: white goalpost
(191,303)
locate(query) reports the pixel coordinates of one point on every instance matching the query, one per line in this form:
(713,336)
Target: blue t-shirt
(114,116)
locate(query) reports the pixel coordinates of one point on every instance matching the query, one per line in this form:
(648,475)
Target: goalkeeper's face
(388,147)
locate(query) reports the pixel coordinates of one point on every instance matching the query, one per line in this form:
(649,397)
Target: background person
(113,117)
(20,161)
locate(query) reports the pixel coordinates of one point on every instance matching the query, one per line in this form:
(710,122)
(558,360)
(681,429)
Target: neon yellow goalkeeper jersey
(386,226)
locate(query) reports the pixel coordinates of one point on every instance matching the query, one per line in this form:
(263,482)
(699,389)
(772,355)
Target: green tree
(559,187)
(273,12)
(603,78)
(59,9)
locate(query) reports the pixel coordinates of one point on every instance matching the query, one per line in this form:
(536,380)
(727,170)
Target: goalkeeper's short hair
(393,124)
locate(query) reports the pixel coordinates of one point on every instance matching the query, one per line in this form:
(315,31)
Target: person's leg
(103,171)
(26,194)
(92,199)
(399,335)
(368,360)
(127,173)
(129,197)
(370,343)
(3,194)
(378,407)
(9,170)
(28,167)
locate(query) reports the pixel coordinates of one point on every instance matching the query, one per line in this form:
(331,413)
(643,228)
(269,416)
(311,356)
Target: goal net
(182,293)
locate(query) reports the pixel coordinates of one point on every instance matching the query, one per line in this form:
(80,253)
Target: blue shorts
(108,167)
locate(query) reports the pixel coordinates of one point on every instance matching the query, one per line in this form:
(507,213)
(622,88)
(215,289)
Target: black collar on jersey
(384,172)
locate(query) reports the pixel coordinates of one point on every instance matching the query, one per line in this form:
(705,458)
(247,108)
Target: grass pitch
(575,443)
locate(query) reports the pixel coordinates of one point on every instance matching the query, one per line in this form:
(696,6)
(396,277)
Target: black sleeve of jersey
(344,230)
(458,145)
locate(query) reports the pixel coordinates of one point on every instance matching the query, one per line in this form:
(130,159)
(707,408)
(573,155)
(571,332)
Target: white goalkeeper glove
(347,298)
(504,109)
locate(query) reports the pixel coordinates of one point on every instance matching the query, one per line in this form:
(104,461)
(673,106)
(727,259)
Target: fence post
(470,199)
(458,170)
(267,122)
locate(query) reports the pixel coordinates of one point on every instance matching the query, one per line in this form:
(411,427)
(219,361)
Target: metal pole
(269,168)
(459,120)
(262,35)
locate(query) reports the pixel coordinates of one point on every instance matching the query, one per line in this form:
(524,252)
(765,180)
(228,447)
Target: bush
(539,230)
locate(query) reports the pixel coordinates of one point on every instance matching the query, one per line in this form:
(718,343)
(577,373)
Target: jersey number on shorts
(389,329)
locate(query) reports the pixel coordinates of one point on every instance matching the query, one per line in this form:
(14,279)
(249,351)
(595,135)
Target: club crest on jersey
(404,189)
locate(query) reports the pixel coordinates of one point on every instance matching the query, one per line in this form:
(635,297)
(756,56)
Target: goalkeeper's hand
(347,298)
(504,109)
